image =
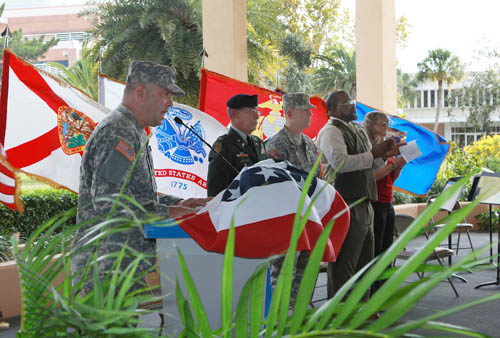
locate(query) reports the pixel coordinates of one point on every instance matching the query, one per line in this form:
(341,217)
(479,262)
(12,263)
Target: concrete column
(376,78)
(225,37)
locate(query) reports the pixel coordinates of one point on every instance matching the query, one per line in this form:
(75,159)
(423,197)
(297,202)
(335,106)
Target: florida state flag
(44,123)
(216,89)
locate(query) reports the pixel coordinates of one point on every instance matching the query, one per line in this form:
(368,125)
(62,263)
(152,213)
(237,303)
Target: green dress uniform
(238,152)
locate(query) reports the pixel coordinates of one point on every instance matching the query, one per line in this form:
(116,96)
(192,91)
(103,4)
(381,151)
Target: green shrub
(5,253)
(40,206)
(484,221)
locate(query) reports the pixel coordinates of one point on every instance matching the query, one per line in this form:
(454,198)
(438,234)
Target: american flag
(263,200)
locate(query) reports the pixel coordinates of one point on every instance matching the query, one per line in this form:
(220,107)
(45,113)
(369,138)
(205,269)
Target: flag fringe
(47,181)
(17,193)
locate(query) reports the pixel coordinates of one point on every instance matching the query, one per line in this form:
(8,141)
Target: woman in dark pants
(386,172)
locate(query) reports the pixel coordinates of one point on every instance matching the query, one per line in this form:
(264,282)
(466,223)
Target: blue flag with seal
(418,175)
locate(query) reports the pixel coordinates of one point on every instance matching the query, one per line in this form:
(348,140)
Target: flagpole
(100,89)
(6,42)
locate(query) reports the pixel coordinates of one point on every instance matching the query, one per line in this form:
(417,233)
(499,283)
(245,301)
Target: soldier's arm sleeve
(276,149)
(169,199)
(114,155)
(220,174)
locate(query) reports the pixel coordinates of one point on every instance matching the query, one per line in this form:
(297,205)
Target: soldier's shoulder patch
(123,148)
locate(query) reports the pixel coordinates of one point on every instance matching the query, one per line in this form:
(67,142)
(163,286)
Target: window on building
(419,99)
(433,98)
(464,136)
(445,98)
(426,98)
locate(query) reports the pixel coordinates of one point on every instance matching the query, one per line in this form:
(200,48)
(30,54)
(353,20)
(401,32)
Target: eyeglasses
(351,102)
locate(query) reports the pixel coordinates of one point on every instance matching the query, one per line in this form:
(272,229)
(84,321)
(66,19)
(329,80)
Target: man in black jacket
(238,147)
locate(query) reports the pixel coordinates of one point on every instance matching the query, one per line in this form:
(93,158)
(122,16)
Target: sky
(460,26)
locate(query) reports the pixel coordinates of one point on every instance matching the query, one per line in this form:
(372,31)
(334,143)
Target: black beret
(242,101)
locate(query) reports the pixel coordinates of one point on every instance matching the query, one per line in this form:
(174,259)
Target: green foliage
(480,99)
(402,31)
(486,147)
(296,76)
(40,206)
(110,309)
(165,32)
(30,50)
(406,88)
(337,71)
(441,66)
(5,253)
(484,221)
(315,21)
(458,163)
(486,151)
(83,74)
(264,33)
(343,315)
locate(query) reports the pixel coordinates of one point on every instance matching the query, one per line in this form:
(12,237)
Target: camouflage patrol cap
(296,100)
(149,72)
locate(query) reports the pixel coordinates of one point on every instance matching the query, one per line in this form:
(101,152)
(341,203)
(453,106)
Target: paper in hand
(410,151)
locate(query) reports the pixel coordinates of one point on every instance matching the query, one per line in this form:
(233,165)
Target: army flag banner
(263,199)
(9,184)
(180,157)
(44,123)
(216,89)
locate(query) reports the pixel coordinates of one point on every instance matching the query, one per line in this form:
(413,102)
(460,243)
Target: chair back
(402,222)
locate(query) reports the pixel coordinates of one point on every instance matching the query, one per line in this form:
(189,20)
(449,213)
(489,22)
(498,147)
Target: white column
(376,77)
(225,37)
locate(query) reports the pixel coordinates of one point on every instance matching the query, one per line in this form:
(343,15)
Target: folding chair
(439,253)
(463,227)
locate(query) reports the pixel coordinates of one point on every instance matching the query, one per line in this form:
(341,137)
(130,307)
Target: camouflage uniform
(301,151)
(106,162)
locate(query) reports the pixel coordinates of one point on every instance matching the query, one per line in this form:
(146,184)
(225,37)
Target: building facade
(51,18)
(452,120)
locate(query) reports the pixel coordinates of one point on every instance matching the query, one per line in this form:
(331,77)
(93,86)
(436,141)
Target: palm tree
(442,66)
(338,71)
(264,34)
(165,32)
(406,88)
(83,74)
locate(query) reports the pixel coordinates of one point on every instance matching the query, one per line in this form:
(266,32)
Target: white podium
(205,269)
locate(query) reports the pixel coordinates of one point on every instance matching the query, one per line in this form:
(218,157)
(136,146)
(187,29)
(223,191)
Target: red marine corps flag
(216,89)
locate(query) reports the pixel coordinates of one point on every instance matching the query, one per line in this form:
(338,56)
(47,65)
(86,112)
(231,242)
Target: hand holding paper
(410,151)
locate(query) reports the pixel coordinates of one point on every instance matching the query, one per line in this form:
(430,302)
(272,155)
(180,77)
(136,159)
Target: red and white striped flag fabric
(44,123)
(263,199)
(9,193)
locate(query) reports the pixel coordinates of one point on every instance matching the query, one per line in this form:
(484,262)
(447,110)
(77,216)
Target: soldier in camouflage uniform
(110,153)
(292,145)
